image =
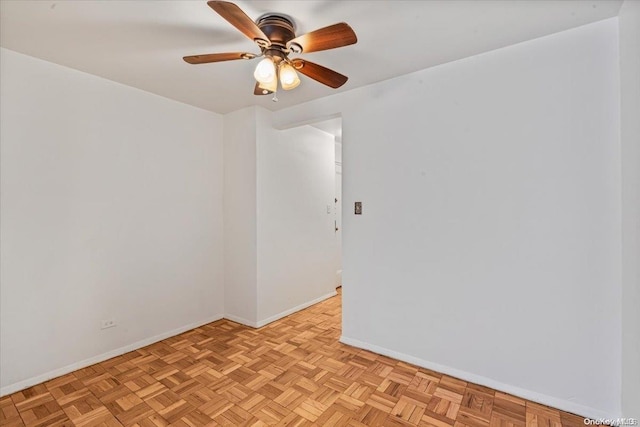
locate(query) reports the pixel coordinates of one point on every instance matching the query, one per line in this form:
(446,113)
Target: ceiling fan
(274,34)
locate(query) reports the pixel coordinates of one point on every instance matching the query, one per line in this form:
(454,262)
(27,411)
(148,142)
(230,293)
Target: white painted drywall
(629,20)
(296,239)
(279,244)
(111,208)
(489,244)
(240,253)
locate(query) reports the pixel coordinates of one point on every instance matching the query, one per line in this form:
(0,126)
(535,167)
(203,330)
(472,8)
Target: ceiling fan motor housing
(278,27)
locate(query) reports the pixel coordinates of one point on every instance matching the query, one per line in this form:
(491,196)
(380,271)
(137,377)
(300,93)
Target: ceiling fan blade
(260,91)
(217,57)
(330,37)
(318,72)
(238,19)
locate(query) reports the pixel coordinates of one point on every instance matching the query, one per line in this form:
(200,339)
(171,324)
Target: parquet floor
(293,372)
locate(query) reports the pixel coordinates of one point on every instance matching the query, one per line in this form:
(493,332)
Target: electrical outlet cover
(110,323)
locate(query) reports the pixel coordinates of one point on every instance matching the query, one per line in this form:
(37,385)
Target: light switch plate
(358,208)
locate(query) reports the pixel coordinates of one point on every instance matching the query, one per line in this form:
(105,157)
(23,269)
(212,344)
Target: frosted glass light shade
(288,77)
(265,71)
(270,86)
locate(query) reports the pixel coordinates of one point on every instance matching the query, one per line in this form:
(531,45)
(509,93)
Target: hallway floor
(293,372)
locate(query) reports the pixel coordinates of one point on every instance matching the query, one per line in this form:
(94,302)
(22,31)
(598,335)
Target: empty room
(320,213)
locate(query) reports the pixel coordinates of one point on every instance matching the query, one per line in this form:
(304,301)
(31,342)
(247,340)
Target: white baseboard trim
(241,320)
(263,322)
(297,308)
(544,399)
(302,306)
(21,385)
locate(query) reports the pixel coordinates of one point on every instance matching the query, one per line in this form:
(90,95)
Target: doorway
(334,127)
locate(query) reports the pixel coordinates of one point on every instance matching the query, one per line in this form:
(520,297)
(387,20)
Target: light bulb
(265,71)
(288,77)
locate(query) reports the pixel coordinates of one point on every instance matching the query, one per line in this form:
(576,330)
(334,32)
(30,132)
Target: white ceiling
(141,43)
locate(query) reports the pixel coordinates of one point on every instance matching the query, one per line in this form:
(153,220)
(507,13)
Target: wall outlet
(110,323)
(358,208)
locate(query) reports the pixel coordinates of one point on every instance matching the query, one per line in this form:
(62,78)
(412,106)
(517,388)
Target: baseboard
(263,322)
(21,385)
(285,313)
(554,402)
(241,320)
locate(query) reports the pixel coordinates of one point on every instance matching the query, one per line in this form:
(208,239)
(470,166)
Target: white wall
(296,238)
(489,245)
(240,226)
(111,208)
(630,138)
(279,244)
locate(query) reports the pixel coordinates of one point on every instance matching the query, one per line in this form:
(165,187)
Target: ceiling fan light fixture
(270,86)
(275,35)
(288,77)
(265,71)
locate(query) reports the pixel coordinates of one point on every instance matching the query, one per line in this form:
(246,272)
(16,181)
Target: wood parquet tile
(293,372)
